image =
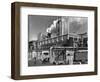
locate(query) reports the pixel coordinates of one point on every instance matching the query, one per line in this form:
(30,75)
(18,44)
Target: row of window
(53,40)
(63,42)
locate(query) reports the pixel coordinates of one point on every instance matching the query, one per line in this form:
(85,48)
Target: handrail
(56,39)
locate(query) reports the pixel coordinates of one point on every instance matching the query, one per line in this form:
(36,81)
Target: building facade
(59,35)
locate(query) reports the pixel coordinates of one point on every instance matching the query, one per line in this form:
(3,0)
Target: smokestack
(52,28)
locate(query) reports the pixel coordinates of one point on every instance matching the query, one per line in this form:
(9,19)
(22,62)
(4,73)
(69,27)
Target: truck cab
(45,56)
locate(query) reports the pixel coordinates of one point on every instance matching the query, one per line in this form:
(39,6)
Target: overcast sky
(38,23)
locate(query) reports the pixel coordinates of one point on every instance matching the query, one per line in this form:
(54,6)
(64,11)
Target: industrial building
(59,40)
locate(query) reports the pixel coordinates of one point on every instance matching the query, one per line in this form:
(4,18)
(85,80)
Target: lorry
(45,56)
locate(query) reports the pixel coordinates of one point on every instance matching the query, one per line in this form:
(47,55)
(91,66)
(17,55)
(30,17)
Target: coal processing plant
(65,42)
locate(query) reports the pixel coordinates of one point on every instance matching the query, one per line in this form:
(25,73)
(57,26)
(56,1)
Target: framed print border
(15,39)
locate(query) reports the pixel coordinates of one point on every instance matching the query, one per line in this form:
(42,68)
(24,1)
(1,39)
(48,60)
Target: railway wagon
(81,56)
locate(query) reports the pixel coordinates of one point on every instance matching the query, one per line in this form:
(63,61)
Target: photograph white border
(38,70)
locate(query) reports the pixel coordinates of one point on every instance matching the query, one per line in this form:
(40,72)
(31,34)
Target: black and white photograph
(57,40)
(53,40)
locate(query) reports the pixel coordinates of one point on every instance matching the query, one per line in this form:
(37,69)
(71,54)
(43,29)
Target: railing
(59,40)
(53,40)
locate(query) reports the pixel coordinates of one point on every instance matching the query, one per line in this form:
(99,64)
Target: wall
(5,40)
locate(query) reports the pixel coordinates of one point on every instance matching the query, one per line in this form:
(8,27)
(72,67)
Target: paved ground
(38,63)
